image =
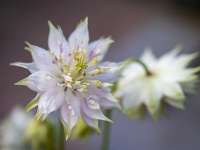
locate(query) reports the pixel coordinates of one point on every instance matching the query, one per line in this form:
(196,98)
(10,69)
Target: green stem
(139,62)
(106,132)
(61,138)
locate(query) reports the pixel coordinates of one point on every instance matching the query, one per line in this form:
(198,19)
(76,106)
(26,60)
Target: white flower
(169,78)
(70,77)
(12,129)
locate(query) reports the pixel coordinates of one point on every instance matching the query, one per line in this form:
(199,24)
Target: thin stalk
(139,62)
(106,132)
(61,137)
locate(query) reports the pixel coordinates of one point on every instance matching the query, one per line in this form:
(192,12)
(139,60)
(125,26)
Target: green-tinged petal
(38,115)
(137,112)
(176,103)
(33,103)
(153,92)
(173,90)
(148,57)
(23,82)
(170,55)
(185,59)
(190,86)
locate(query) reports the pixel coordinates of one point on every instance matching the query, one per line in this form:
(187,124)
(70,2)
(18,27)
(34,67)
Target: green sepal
(33,103)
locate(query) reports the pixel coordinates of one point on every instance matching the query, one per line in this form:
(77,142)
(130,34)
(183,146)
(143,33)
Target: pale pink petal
(90,121)
(92,110)
(102,93)
(57,42)
(79,37)
(40,81)
(111,72)
(74,101)
(42,60)
(98,48)
(30,66)
(68,117)
(107,104)
(50,101)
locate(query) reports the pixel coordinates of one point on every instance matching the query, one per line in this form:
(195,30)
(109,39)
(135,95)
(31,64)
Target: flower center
(74,71)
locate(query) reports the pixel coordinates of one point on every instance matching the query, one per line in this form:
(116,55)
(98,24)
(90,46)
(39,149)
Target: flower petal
(57,42)
(184,59)
(111,72)
(30,66)
(90,121)
(42,59)
(107,104)
(68,117)
(79,37)
(102,93)
(33,103)
(175,103)
(98,48)
(173,90)
(168,57)
(152,94)
(50,101)
(91,110)
(74,101)
(40,81)
(148,57)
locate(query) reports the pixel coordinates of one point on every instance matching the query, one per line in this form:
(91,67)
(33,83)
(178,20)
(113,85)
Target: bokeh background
(133,24)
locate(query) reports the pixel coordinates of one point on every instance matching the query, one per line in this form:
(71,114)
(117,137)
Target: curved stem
(139,62)
(106,132)
(61,137)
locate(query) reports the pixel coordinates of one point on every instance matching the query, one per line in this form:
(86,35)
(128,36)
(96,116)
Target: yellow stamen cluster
(74,71)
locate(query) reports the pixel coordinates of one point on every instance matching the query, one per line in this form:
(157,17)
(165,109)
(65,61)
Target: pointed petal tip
(29,46)
(33,103)
(40,114)
(155,116)
(98,131)
(22,82)
(177,49)
(13,64)
(50,24)
(107,119)
(27,43)
(83,23)
(86,20)
(148,49)
(67,133)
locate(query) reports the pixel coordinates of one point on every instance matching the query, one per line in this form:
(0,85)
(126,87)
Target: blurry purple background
(133,25)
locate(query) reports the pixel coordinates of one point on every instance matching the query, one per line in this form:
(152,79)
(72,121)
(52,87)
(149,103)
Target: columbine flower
(167,81)
(70,78)
(12,129)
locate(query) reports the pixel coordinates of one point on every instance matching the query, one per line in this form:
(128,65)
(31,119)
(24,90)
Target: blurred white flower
(12,129)
(70,78)
(168,80)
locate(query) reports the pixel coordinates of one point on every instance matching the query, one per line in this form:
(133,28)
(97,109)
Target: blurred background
(133,24)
